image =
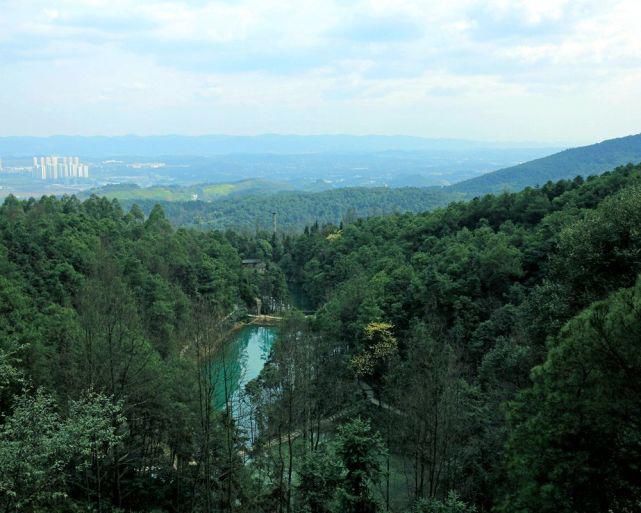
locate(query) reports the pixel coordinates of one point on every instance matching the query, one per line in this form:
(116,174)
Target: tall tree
(575,443)
(361,451)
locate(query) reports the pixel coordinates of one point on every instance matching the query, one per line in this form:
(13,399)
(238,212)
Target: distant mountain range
(585,161)
(210,145)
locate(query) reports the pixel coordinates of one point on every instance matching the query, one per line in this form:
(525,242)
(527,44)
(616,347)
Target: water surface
(240,361)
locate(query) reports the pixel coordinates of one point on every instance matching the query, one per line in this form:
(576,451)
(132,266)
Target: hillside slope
(203,192)
(585,161)
(297,209)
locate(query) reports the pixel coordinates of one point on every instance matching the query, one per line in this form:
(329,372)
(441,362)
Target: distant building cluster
(58,168)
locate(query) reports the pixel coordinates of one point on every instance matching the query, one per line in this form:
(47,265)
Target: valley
(424,329)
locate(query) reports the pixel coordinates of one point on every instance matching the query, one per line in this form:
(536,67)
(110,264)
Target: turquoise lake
(240,361)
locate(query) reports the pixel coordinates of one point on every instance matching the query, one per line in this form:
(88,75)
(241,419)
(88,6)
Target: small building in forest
(254,263)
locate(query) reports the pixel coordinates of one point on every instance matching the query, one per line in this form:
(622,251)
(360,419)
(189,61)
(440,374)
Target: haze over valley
(279,162)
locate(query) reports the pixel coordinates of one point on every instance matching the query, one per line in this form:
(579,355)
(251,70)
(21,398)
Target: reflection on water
(239,362)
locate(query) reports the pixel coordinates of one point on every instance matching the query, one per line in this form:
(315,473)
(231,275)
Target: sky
(557,71)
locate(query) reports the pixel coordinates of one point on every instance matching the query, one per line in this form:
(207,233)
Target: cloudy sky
(562,71)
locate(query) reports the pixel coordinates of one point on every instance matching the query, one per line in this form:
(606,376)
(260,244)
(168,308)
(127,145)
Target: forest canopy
(483,356)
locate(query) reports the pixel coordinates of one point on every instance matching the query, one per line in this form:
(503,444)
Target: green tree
(451,504)
(430,397)
(319,475)
(361,451)
(575,443)
(42,453)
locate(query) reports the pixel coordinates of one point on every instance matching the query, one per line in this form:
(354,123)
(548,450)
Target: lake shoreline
(252,320)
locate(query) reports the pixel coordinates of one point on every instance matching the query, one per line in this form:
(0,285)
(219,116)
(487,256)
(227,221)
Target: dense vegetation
(583,161)
(481,357)
(202,192)
(297,209)
(103,318)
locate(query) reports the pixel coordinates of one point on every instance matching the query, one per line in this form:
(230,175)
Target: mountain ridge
(582,161)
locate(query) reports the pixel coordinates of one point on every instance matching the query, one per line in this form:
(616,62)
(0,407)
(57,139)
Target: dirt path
(369,394)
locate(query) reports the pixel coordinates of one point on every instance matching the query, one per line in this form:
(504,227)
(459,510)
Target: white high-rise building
(58,168)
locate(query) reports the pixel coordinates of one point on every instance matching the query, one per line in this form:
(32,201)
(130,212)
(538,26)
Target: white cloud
(462,68)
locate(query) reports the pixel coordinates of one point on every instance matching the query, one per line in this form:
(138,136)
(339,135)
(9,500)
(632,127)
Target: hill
(584,161)
(475,296)
(203,192)
(296,209)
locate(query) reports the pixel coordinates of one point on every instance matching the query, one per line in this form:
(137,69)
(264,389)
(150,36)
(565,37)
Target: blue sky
(560,71)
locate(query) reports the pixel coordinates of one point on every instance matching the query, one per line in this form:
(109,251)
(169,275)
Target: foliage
(361,451)
(472,292)
(575,443)
(451,504)
(97,308)
(37,445)
(519,303)
(320,474)
(381,345)
(296,209)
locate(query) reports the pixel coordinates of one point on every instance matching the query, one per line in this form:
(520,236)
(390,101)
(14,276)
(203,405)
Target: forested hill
(296,209)
(527,304)
(565,165)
